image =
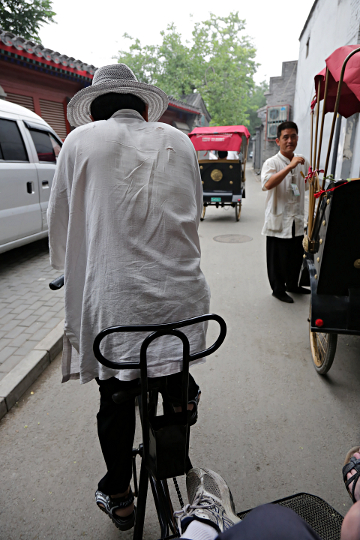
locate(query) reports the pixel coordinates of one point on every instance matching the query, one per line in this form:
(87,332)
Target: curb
(15,383)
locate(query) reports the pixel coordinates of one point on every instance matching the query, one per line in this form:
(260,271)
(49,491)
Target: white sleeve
(58,209)
(268,169)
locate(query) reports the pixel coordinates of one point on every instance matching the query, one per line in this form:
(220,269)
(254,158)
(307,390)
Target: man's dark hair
(223,154)
(286,125)
(104,106)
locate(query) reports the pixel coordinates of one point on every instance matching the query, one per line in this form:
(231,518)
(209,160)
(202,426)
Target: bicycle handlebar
(157,331)
(57,283)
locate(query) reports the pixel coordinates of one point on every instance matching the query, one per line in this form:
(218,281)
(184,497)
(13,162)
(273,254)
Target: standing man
(123,219)
(282,177)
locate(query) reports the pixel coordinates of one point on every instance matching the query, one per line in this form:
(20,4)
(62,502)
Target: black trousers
(116,428)
(270,522)
(284,258)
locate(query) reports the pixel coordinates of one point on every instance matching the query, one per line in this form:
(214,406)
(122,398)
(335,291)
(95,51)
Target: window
(47,147)
(307,47)
(11,144)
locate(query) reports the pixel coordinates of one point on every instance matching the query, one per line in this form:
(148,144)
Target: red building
(44,81)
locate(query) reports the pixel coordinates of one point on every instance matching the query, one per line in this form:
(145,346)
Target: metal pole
(323,117)
(317,124)
(311,191)
(311,134)
(336,144)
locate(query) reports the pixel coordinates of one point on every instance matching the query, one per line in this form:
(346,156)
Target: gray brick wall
(282,89)
(281,92)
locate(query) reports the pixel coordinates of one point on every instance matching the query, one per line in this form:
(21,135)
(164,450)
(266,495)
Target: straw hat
(115,78)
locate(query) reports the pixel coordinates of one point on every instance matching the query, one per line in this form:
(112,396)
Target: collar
(128,113)
(284,158)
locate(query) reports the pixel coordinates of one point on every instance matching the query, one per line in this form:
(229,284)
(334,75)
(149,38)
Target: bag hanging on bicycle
(168,445)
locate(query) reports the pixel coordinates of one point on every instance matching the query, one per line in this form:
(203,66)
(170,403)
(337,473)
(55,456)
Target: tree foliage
(257,100)
(24,17)
(219,62)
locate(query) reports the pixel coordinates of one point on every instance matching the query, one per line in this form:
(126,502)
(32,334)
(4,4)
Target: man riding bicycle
(123,217)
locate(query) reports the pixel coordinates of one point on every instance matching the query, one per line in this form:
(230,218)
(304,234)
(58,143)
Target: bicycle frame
(159,486)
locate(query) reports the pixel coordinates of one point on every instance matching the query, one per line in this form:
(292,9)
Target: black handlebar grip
(57,283)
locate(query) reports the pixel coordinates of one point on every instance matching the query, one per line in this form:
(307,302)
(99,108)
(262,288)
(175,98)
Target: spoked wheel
(323,348)
(203,213)
(237,210)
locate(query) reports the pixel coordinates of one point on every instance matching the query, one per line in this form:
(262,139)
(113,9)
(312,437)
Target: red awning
(350,91)
(219,137)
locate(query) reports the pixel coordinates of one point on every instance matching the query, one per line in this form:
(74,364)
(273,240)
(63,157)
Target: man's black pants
(284,258)
(116,428)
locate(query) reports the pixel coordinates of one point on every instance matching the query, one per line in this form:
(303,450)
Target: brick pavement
(29,310)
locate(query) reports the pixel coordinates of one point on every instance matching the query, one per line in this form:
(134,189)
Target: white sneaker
(210,501)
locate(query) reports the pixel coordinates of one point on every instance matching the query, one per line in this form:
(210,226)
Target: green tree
(257,100)
(24,17)
(219,62)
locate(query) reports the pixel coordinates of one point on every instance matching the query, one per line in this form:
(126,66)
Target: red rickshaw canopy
(219,137)
(350,91)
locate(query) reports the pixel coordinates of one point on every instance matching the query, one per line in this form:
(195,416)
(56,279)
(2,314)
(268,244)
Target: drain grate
(233,238)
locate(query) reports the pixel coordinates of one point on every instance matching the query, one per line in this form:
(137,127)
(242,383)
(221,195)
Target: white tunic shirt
(282,200)
(123,217)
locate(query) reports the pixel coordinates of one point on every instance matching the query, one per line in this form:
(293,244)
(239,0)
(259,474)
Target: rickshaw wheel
(203,213)
(323,348)
(237,211)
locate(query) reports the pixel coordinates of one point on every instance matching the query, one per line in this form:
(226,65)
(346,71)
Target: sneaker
(210,501)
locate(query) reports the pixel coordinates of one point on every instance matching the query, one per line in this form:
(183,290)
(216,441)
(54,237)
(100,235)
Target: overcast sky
(92,31)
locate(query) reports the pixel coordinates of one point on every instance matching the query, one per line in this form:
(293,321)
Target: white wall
(332,24)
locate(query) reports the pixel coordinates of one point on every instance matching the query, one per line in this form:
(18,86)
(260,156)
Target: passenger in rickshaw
(224,155)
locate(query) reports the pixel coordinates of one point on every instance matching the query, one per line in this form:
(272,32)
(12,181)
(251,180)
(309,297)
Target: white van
(28,151)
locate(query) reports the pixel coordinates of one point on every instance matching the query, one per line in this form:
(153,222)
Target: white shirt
(123,217)
(288,205)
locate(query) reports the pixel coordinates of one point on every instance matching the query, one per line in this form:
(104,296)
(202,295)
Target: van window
(47,147)
(11,144)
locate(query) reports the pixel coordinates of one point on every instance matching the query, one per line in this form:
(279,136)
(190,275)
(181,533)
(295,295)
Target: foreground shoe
(109,506)
(210,501)
(299,290)
(283,297)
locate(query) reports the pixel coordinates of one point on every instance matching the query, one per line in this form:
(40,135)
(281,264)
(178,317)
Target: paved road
(29,310)
(268,423)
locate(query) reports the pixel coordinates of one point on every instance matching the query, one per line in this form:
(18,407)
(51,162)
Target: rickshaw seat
(324,519)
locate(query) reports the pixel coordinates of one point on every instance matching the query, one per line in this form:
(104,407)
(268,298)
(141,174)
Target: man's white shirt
(123,217)
(289,205)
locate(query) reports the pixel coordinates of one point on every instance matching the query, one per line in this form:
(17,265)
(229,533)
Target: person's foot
(210,501)
(283,297)
(353,487)
(120,508)
(299,290)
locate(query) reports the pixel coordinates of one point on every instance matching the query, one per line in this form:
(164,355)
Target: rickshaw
(332,244)
(223,179)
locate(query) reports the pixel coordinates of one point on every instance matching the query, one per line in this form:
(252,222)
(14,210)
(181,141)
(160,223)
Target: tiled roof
(17,47)
(195,99)
(178,104)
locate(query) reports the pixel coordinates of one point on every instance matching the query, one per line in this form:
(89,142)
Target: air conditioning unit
(274,117)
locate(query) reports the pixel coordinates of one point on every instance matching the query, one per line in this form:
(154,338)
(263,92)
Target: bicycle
(164,451)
